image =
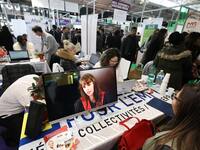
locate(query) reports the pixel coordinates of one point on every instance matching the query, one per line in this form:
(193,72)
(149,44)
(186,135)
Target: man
(49,44)
(130,46)
(56,33)
(66,34)
(12,106)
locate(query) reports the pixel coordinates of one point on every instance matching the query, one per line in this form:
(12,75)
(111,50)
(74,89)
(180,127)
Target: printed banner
(100,129)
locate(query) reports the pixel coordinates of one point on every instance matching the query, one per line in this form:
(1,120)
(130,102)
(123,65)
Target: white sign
(57,4)
(40,3)
(18,26)
(71,7)
(31,21)
(192,25)
(119,15)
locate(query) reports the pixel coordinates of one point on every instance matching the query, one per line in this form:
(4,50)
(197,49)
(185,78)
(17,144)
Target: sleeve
(78,106)
(187,69)
(51,44)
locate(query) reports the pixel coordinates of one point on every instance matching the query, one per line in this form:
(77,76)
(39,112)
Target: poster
(119,15)
(18,27)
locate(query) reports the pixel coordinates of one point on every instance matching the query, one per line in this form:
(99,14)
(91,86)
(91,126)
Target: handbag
(135,137)
(135,71)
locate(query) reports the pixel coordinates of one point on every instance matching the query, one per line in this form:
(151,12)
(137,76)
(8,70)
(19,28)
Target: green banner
(148,31)
(183,15)
(171,26)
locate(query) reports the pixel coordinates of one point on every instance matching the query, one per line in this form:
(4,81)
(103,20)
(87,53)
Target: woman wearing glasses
(183,131)
(111,58)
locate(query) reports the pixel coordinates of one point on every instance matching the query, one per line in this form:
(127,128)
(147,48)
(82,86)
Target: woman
(183,131)
(91,95)
(175,60)
(67,56)
(23,44)
(111,58)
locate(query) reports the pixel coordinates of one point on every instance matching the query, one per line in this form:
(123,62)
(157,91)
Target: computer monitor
(69,93)
(18,55)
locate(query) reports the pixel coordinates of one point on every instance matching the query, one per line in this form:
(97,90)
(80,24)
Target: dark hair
(117,33)
(162,32)
(86,79)
(37,29)
(185,125)
(176,38)
(191,44)
(184,34)
(133,28)
(109,54)
(19,38)
(54,27)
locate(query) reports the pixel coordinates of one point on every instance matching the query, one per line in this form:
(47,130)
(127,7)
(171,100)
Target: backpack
(135,137)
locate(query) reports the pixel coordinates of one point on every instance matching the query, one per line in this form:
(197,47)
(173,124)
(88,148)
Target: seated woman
(183,131)
(67,56)
(175,60)
(111,57)
(23,44)
(91,95)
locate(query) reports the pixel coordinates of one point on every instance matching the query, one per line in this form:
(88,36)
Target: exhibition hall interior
(99,75)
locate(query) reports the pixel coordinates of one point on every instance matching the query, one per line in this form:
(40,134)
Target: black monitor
(69,93)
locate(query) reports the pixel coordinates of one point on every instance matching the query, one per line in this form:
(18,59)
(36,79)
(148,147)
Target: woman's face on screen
(88,89)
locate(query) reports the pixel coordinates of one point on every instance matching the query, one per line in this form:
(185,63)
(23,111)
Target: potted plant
(37,90)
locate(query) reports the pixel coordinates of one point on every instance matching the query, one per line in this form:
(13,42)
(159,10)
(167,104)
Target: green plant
(37,90)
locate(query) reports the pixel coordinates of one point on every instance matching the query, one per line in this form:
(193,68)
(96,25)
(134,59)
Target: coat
(177,62)
(129,47)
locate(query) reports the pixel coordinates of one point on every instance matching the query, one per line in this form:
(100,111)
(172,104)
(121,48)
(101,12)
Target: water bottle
(151,76)
(160,76)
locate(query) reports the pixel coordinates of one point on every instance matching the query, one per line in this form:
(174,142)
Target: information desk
(99,130)
(39,66)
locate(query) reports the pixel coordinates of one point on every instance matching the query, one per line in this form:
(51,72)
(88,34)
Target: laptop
(94,58)
(18,56)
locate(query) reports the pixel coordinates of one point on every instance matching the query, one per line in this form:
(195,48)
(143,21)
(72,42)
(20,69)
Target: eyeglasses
(174,96)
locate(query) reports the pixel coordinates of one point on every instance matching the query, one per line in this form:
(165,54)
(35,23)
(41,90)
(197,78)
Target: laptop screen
(68,93)
(18,55)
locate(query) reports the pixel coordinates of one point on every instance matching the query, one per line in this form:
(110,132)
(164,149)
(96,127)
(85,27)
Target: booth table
(98,130)
(39,66)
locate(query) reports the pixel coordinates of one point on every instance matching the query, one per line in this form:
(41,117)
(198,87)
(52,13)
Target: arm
(51,44)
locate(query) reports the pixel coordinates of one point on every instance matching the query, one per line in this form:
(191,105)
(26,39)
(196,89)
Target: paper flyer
(61,139)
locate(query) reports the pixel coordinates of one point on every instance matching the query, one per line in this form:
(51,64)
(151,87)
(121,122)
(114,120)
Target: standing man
(130,46)
(49,44)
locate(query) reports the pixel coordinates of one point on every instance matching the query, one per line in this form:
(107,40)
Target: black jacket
(154,45)
(129,47)
(177,62)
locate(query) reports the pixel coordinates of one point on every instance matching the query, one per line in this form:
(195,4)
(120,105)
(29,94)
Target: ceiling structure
(153,8)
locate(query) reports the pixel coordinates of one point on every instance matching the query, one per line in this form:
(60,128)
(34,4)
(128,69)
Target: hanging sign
(120,5)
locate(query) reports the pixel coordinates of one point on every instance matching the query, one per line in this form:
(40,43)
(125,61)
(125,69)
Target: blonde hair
(68,45)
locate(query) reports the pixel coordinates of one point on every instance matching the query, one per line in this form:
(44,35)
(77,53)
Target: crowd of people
(178,55)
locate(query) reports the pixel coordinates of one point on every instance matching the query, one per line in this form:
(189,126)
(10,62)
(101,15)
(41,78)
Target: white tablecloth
(38,65)
(100,130)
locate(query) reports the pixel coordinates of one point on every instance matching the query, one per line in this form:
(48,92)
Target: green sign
(183,15)
(148,31)
(171,26)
